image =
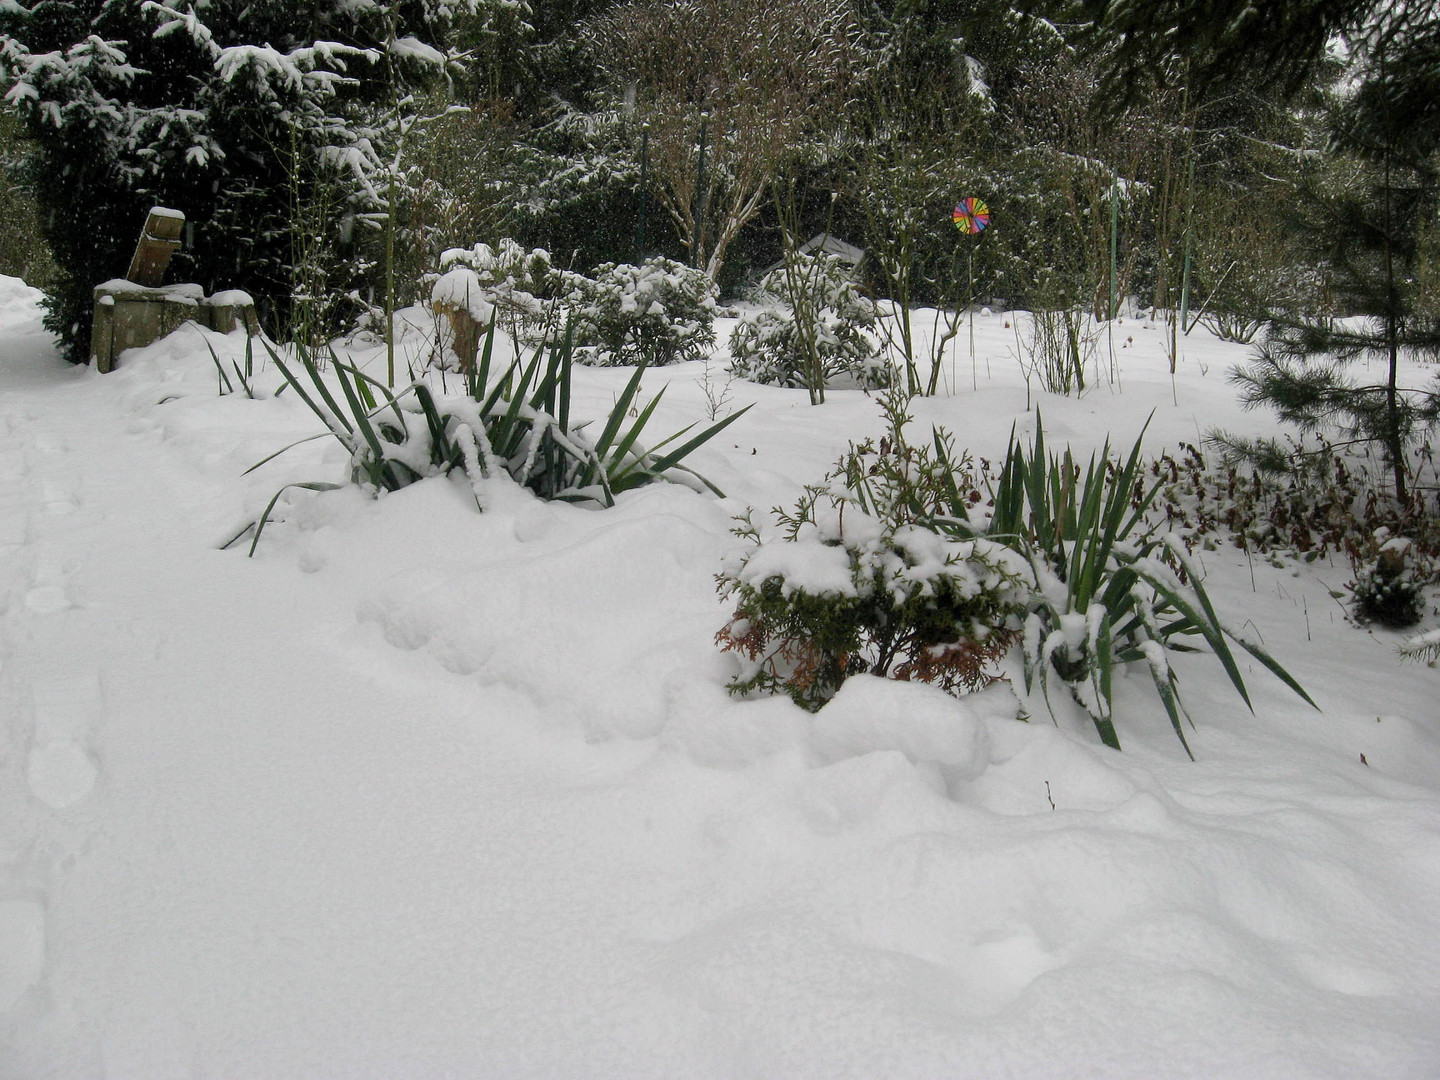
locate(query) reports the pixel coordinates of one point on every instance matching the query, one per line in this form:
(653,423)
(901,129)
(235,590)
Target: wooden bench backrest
(158,241)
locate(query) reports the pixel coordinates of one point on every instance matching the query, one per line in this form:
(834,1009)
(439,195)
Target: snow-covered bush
(821,308)
(840,593)
(521,286)
(659,312)
(1055,347)
(1386,590)
(858,580)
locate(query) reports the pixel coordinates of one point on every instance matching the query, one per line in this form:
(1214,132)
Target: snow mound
(922,722)
(716,731)
(19,304)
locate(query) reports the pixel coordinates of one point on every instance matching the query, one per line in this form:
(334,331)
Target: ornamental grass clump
(518,425)
(856,581)
(244,376)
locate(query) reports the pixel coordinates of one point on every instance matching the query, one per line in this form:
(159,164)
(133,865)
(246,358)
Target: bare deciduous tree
(767,79)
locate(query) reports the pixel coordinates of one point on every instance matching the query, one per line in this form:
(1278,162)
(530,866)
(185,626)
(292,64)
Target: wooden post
(465,333)
(135,311)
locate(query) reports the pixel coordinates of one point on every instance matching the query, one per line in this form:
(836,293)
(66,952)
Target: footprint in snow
(48,600)
(66,705)
(22,949)
(60,773)
(49,442)
(14,528)
(58,498)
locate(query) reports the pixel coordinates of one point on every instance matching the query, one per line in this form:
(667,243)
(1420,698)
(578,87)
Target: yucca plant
(1111,588)
(519,425)
(245,376)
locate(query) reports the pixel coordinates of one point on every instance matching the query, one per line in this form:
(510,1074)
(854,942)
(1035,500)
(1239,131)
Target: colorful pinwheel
(971,216)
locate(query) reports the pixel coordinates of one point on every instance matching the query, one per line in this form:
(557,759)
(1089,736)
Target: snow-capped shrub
(1386,591)
(520,285)
(461,289)
(841,593)
(858,580)
(821,305)
(659,312)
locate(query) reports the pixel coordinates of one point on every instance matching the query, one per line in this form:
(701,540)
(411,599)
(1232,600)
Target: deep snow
(423,792)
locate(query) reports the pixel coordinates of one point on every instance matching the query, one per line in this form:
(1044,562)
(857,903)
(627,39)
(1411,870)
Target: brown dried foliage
(959,667)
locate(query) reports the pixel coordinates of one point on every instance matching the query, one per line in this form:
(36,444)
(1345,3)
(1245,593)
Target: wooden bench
(140,308)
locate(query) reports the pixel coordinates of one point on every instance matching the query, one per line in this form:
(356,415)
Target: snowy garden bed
(421,790)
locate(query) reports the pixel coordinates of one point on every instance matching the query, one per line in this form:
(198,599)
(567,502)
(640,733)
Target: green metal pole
(1114,246)
(974,374)
(1189,236)
(700,196)
(644,194)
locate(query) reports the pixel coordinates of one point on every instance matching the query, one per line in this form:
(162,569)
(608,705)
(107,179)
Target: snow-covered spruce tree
(23,252)
(1215,42)
(1368,217)
(235,113)
(573,180)
(559,169)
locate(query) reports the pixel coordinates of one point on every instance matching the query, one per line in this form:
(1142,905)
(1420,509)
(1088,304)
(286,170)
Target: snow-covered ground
(425,792)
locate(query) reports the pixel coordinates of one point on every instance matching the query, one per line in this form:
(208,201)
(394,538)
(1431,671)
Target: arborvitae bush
(841,593)
(855,580)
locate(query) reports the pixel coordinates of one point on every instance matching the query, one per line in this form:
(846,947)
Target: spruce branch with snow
(1367,218)
(234,114)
